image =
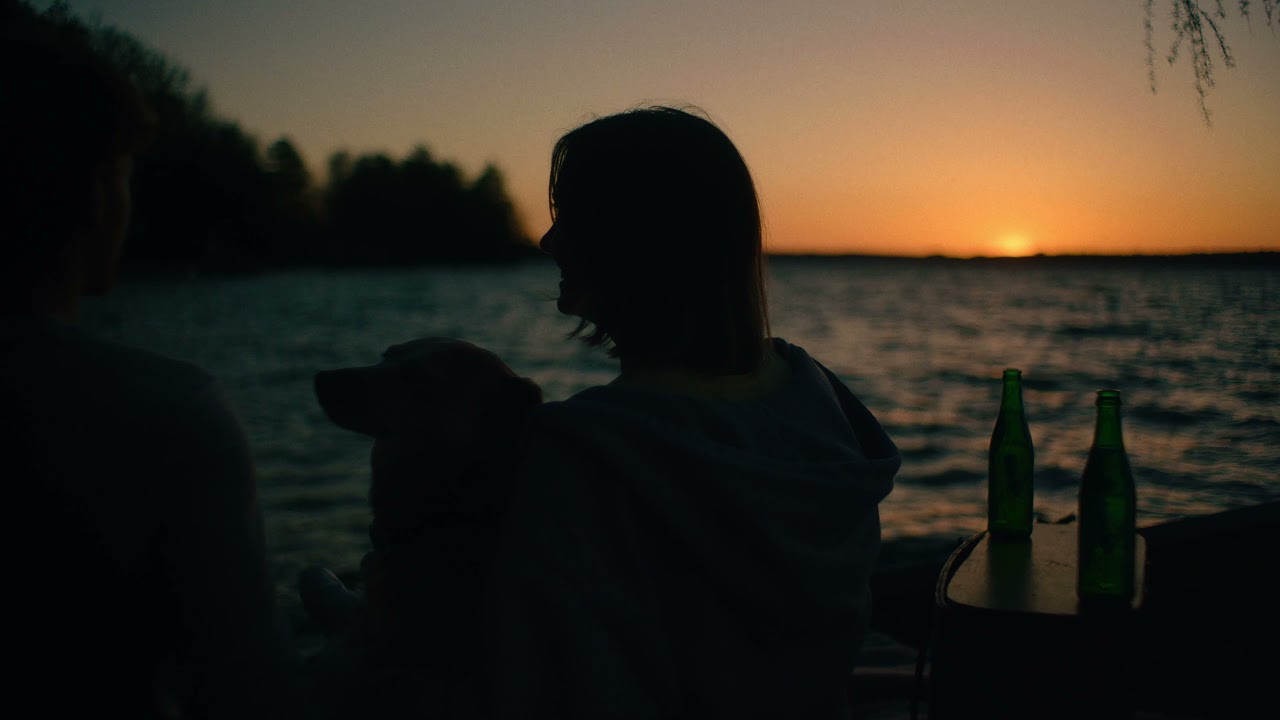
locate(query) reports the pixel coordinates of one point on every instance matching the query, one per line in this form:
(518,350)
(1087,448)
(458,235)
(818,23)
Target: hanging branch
(1190,21)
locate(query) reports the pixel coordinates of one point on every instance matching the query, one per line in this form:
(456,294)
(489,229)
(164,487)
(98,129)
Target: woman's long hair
(660,209)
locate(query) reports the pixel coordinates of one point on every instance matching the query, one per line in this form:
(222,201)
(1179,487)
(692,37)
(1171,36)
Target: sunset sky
(906,128)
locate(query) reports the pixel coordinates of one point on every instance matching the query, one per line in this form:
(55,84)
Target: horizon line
(1255,254)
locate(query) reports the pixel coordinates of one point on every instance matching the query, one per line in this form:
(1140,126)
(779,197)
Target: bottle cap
(1108,397)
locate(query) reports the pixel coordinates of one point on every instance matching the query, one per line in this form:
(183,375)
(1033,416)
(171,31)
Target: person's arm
(232,644)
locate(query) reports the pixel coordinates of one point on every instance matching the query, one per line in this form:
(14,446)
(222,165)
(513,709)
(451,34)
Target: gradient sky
(904,127)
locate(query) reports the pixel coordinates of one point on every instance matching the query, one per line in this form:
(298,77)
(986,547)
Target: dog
(446,419)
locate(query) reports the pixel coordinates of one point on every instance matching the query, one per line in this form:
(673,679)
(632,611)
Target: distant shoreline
(133,271)
(1268,258)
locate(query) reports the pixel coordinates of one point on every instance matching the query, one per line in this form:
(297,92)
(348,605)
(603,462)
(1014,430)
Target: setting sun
(1014,245)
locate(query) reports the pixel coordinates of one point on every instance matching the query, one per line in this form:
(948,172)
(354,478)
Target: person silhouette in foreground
(138,579)
(694,539)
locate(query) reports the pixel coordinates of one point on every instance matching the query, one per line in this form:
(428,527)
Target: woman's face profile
(573,299)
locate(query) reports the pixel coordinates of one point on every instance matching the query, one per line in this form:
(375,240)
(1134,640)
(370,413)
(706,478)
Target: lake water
(1194,349)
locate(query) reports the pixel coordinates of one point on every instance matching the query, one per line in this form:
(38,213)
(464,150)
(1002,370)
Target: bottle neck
(1106,433)
(1011,396)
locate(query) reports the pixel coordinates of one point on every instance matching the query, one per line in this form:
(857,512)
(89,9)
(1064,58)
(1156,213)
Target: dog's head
(438,409)
(436,390)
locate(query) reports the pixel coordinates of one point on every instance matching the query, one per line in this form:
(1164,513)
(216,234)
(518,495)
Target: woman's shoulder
(675,385)
(808,370)
(676,395)
(795,356)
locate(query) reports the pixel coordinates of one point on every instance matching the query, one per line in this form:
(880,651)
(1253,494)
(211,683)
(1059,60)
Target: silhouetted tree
(357,209)
(288,171)
(418,211)
(494,219)
(206,196)
(200,192)
(429,209)
(339,166)
(293,238)
(1190,21)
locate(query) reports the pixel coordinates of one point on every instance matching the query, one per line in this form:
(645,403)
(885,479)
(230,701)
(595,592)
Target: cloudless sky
(909,127)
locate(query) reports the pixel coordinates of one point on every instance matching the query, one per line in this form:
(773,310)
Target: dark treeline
(207,196)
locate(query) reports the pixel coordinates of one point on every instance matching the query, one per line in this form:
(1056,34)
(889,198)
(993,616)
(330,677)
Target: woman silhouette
(695,538)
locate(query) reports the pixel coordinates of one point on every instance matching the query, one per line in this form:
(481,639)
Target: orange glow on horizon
(1014,245)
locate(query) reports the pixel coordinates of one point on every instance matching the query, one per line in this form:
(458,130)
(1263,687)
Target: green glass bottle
(1010,466)
(1107,513)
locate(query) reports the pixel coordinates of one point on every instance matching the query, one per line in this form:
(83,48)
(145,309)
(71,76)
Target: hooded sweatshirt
(677,553)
